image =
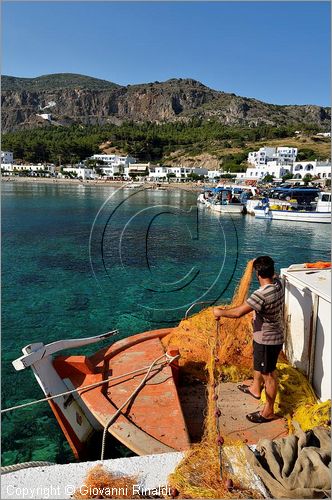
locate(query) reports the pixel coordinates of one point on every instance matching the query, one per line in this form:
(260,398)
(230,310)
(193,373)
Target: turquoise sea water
(79,261)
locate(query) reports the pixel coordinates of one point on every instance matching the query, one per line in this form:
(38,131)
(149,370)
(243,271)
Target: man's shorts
(266,357)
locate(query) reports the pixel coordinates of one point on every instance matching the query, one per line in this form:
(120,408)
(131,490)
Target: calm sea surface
(78,261)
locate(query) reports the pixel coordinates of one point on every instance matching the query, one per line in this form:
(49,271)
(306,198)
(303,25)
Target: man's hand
(233,312)
(217,311)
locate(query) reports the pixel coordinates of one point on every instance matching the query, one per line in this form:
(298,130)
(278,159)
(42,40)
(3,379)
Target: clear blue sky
(278,52)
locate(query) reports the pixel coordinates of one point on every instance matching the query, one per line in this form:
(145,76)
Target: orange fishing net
(99,483)
(204,473)
(318,265)
(194,336)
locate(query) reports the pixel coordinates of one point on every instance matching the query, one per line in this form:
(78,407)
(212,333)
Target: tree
(99,171)
(287,176)
(268,178)
(307,178)
(227,176)
(195,177)
(306,154)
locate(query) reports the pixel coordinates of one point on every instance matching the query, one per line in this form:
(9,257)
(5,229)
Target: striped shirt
(268,303)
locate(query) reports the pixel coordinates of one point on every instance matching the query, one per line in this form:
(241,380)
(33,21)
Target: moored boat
(205,196)
(285,210)
(135,389)
(223,200)
(104,393)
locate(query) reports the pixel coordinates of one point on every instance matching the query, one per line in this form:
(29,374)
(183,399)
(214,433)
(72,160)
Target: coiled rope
(169,359)
(23,465)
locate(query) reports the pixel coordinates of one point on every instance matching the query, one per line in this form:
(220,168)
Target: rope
(217,410)
(66,393)
(169,359)
(23,465)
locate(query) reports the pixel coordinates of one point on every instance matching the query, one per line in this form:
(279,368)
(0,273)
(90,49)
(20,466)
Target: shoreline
(189,186)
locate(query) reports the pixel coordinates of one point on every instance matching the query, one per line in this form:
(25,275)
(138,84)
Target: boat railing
(37,351)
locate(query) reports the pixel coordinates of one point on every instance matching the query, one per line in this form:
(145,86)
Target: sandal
(245,388)
(257,418)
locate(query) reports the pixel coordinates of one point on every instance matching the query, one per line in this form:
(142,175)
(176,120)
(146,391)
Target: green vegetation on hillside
(55,81)
(152,142)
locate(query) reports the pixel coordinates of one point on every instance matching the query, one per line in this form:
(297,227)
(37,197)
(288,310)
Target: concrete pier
(60,481)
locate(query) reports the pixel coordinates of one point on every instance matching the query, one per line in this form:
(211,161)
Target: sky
(278,52)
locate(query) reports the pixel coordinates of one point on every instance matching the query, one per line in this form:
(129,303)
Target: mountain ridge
(78,99)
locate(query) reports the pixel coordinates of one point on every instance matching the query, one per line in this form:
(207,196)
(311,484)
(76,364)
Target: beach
(188,186)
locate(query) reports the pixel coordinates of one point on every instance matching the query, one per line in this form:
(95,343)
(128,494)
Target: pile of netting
(195,336)
(100,483)
(218,354)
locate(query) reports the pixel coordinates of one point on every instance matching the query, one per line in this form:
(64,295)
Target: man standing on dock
(267,303)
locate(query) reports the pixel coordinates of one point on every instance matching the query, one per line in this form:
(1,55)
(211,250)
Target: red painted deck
(157,419)
(153,422)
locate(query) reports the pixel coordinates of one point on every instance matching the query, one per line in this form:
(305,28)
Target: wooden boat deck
(153,421)
(234,406)
(163,416)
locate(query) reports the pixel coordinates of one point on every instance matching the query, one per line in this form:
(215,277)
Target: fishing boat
(222,200)
(135,391)
(292,211)
(205,196)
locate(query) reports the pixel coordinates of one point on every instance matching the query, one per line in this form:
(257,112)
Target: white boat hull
(292,215)
(235,208)
(202,200)
(251,205)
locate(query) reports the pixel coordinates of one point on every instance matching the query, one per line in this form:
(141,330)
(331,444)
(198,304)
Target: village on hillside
(268,164)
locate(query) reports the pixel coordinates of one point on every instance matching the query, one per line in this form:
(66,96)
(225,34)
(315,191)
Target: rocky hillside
(71,98)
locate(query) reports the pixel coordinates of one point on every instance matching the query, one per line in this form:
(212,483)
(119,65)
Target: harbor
(166,250)
(193,420)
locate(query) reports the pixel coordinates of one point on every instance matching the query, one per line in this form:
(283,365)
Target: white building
(285,154)
(314,168)
(7,157)
(212,174)
(323,169)
(273,168)
(114,160)
(158,173)
(137,170)
(183,173)
(239,175)
(12,167)
(262,156)
(81,173)
(324,134)
(112,171)
(45,116)
(281,154)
